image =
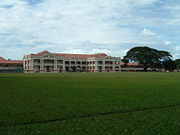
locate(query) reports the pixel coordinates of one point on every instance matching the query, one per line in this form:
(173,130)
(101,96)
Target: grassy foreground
(90,104)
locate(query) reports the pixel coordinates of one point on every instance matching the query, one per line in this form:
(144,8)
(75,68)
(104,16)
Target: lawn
(90,104)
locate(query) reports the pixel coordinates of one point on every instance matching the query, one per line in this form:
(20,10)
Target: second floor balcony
(48,62)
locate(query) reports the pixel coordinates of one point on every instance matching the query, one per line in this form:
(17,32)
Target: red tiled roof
(42,53)
(4,61)
(12,62)
(71,55)
(79,55)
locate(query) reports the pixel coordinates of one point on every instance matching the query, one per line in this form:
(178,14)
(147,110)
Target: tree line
(152,58)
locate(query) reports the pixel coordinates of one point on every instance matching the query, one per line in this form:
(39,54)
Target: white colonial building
(45,61)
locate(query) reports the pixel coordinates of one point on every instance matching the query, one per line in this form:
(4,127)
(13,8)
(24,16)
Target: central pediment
(48,55)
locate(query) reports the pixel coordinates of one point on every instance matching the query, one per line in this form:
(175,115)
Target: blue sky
(88,26)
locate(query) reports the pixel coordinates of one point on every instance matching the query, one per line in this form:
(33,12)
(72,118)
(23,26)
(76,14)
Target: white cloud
(118,53)
(167,42)
(148,32)
(76,26)
(177,48)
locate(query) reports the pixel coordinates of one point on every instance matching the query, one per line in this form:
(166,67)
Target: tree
(178,64)
(169,65)
(146,56)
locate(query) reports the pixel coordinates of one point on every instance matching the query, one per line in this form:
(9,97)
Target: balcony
(59,62)
(48,62)
(36,61)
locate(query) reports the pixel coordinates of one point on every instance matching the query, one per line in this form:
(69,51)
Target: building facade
(45,61)
(131,67)
(10,65)
(136,67)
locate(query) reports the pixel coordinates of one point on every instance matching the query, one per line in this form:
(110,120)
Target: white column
(55,65)
(64,69)
(103,65)
(96,68)
(70,65)
(42,65)
(113,66)
(24,65)
(32,65)
(119,64)
(81,65)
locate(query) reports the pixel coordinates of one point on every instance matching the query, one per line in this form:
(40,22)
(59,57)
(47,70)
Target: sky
(88,26)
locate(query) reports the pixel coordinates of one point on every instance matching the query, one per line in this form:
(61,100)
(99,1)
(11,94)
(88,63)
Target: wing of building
(10,65)
(45,61)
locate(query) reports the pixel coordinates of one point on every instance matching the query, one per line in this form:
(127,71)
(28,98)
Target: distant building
(45,61)
(131,67)
(10,65)
(136,67)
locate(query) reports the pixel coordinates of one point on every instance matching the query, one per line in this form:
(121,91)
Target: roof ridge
(2,59)
(79,53)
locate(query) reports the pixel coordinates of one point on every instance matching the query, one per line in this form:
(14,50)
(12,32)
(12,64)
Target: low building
(10,65)
(45,61)
(131,67)
(136,67)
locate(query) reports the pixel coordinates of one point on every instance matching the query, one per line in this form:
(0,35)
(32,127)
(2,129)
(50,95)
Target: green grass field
(90,104)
